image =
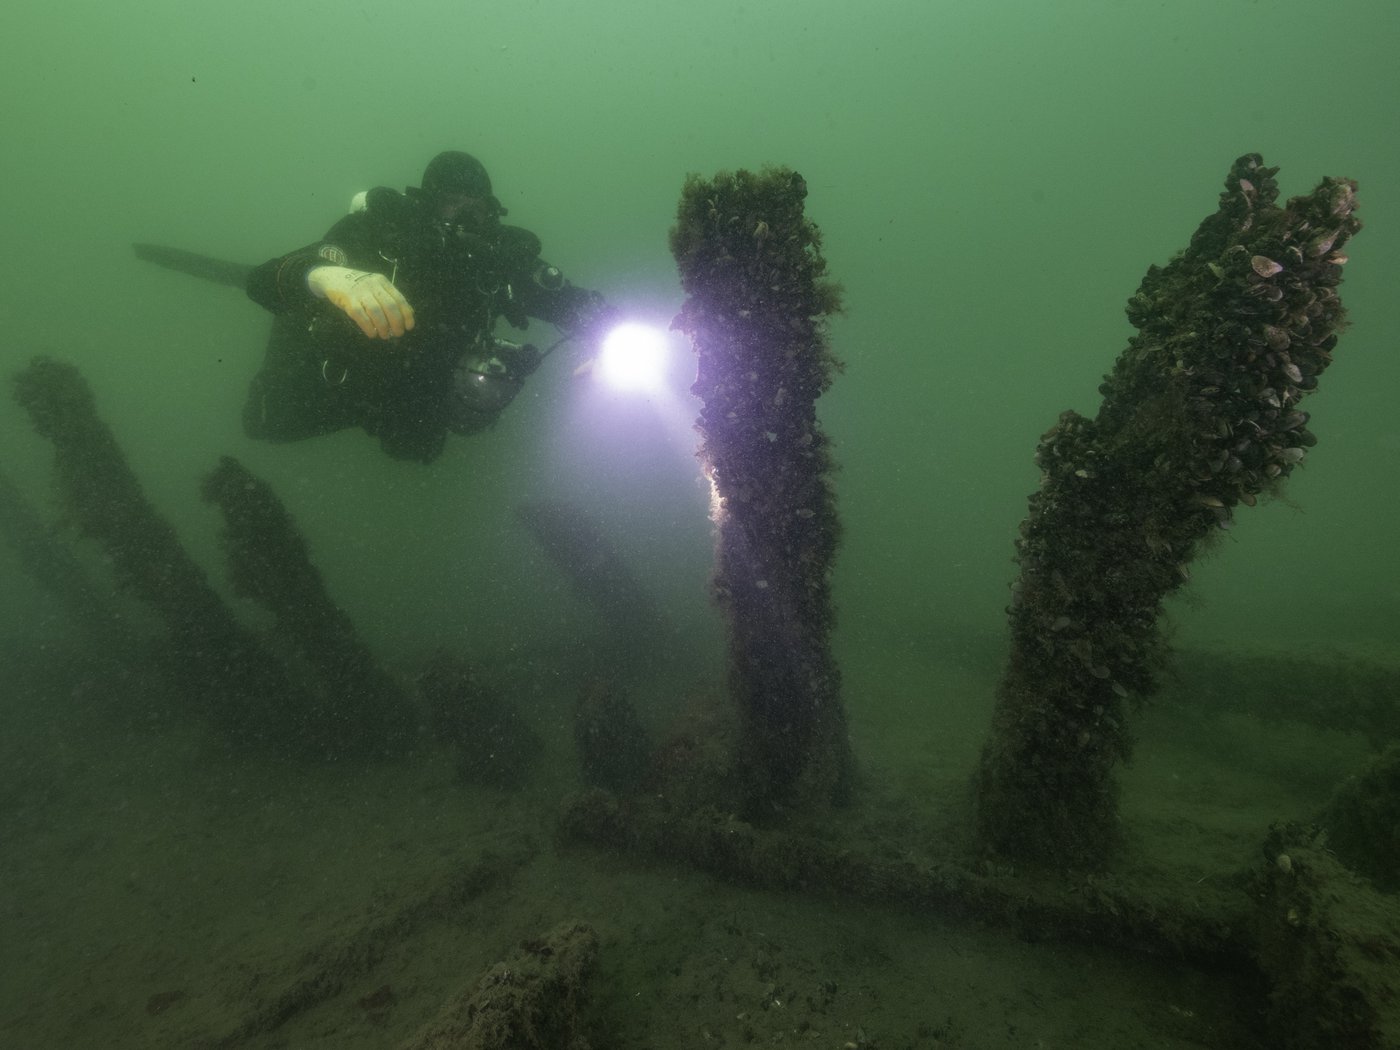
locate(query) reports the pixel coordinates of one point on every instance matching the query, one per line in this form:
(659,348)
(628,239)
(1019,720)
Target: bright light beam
(633,359)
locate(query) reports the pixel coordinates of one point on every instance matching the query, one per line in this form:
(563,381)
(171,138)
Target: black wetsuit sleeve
(566,306)
(279,285)
(540,290)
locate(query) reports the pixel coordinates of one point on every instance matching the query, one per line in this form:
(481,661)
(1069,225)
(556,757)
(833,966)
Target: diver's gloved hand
(368,299)
(595,320)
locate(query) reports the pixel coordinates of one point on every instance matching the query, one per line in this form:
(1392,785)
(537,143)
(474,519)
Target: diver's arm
(297,280)
(280,285)
(545,293)
(538,289)
(323,271)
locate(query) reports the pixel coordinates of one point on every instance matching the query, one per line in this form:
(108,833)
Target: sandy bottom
(159,892)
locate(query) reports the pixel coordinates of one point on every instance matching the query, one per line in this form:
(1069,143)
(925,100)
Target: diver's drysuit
(448,373)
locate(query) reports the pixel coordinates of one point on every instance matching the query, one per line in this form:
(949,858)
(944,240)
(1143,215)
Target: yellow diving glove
(367,298)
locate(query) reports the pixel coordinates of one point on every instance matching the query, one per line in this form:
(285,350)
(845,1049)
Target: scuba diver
(387,322)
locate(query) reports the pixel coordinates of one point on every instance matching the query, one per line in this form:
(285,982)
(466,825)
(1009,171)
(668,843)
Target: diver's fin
(220,271)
